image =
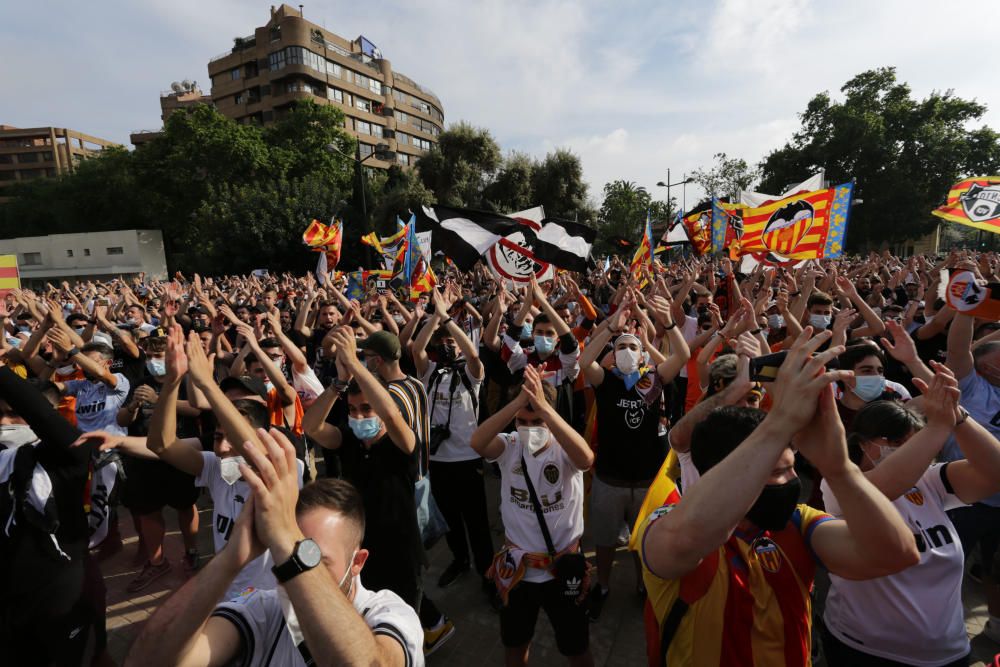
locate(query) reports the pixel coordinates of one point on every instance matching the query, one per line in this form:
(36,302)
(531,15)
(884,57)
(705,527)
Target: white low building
(91,256)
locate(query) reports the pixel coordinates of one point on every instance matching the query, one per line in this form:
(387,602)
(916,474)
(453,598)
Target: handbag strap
(538,510)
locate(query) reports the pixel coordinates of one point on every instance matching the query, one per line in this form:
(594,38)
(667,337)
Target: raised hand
(176,357)
(941,395)
(272,474)
(902,348)
(200,367)
(802,378)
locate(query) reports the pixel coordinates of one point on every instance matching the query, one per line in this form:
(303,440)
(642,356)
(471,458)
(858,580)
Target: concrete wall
(141,251)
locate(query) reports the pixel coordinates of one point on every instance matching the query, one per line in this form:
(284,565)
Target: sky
(633,87)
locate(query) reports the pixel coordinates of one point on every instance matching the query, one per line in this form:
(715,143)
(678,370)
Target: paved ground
(616,640)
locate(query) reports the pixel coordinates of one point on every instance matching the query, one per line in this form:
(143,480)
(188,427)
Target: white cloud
(633,87)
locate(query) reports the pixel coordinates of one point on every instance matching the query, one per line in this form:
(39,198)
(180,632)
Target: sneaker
(595,602)
(191,562)
(149,574)
(992,629)
(452,573)
(434,639)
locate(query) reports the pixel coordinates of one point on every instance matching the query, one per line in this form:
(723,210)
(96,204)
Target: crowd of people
(833,421)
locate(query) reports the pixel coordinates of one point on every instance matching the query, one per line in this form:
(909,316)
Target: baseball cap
(101,337)
(384,344)
(244,383)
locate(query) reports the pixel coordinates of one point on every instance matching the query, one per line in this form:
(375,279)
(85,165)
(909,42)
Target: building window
(31,174)
(6,159)
(69,253)
(375,86)
(366,149)
(362,127)
(403,159)
(335,94)
(116,250)
(234,74)
(31,258)
(377,130)
(363,104)
(402,138)
(86,252)
(251,70)
(6,175)
(238,98)
(332,68)
(275,33)
(25,158)
(47,156)
(402,117)
(276,60)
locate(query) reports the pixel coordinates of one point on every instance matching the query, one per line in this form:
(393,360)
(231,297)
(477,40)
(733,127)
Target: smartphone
(765,368)
(382,285)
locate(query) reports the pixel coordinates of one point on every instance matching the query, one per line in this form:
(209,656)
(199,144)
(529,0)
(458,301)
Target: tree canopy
(904,153)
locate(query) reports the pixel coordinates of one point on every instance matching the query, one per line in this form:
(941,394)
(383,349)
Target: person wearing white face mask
(321,614)
(914,616)
(378,454)
(631,448)
(217,470)
(541,465)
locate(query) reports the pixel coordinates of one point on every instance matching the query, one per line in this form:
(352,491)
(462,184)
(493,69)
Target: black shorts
(150,485)
(569,619)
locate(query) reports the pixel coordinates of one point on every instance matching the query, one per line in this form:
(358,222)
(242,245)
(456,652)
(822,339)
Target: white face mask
(291,620)
(819,322)
(627,360)
(229,468)
(533,438)
(13,436)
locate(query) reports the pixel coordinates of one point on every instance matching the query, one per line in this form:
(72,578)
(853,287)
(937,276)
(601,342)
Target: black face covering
(446,354)
(775,504)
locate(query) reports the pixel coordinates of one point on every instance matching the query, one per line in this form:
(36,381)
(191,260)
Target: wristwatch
(73,351)
(305,556)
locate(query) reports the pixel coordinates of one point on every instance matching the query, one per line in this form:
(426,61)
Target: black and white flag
(463,235)
(564,244)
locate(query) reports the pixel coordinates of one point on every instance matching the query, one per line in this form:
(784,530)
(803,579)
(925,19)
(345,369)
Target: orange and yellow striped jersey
(746,604)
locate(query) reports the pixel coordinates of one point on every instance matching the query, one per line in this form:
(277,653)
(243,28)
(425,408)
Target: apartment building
(37,152)
(182,94)
(291,58)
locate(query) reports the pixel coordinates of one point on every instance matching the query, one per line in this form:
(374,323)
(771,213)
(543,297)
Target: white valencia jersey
(267,639)
(227,503)
(914,616)
(559,485)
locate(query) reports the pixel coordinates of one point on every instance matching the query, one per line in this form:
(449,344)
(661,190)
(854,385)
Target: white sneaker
(992,629)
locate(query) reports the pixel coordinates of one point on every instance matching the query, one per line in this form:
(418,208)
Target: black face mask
(775,504)
(446,354)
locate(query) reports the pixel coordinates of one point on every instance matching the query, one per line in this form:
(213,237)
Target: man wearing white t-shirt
(218,470)
(456,470)
(320,614)
(541,472)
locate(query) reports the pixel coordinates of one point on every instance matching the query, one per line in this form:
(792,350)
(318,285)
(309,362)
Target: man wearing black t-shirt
(630,447)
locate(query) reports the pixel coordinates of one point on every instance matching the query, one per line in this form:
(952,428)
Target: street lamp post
(381,152)
(669,185)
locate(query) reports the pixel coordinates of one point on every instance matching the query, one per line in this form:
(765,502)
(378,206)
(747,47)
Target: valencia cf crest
(768,554)
(551,473)
(788,226)
(914,496)
(982,203)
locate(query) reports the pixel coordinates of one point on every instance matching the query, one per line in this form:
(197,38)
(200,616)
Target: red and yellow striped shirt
(748,603)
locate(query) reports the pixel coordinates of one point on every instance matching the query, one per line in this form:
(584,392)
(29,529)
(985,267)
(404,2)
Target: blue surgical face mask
(775,321)
(157,367)
(365,429)
(544,345)
(869,387)
(819,322)
(526,330)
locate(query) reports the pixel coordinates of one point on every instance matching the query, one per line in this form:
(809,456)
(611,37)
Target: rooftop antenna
(300,11)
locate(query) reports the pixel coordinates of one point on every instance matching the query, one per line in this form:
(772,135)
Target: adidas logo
(573,586)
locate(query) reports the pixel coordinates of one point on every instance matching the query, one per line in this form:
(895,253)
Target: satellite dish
(188,84)
(176,87)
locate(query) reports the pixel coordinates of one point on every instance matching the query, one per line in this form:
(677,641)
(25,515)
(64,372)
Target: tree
(557,184)
(403,191)
(904,153)
(511,190)
(460,166)
(727,178)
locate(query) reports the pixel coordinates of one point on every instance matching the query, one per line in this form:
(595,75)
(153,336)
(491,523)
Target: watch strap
(292,567)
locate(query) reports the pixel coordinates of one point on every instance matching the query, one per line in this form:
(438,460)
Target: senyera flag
(974,202)
(463,235)
(9,277)
(326,239)
(808,225)
(565,244)
(697,229)
(644,253)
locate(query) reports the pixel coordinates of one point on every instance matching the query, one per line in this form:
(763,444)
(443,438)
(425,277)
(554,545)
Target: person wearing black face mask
(739,540)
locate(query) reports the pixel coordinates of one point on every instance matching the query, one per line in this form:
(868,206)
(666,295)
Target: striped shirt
(411,399)
(746,604)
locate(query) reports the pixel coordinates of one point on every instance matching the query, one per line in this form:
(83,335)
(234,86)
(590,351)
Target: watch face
(308,553)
